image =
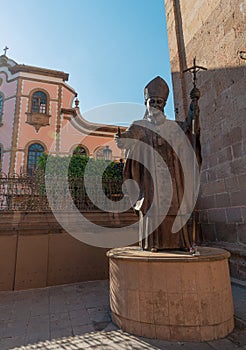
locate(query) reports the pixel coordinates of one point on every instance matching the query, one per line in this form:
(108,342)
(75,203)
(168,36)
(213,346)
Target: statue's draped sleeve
(133,139)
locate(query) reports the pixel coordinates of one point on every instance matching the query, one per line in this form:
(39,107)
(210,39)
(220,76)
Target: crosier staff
(195,136)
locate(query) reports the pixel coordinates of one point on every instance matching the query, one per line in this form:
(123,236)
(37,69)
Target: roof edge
(37,70)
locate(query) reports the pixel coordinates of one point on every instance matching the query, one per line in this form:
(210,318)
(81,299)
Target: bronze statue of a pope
(155,166)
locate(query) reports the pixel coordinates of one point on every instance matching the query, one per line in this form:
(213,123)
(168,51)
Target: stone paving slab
(239,299)
(77,316)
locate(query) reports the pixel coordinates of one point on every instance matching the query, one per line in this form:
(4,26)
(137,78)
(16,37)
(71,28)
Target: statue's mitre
(156,88)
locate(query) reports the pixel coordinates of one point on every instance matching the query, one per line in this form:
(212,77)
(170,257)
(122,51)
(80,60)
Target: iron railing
(33,193)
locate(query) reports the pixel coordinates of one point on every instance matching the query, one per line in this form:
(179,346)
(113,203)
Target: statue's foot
(153,250)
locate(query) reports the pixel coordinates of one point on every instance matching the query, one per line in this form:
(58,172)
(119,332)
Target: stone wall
(35,251)
(215,32)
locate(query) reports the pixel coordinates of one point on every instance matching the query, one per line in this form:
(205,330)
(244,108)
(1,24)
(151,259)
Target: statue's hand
(119,141)
(125,139)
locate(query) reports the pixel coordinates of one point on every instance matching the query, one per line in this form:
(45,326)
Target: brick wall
(215,32)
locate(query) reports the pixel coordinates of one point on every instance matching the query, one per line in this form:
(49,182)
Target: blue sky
(110,48)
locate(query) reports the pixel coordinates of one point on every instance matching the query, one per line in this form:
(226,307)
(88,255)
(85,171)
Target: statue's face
(156,102)
(155,105)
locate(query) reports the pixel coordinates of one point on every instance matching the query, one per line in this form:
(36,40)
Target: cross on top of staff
(194,69)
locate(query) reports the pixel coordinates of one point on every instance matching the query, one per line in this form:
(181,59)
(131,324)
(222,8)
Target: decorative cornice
(69,111)
(37,70)
(65,85)
(90,128)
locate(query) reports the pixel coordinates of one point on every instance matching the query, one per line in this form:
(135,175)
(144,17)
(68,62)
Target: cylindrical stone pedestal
(171,295)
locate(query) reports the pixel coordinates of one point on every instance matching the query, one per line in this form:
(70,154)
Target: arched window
(1,107)
(35,150)
(39,102)
(80,150)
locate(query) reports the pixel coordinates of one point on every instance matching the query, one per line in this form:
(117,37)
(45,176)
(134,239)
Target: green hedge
(75,167)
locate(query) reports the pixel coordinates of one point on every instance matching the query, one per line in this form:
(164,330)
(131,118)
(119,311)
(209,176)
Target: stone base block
(171,295)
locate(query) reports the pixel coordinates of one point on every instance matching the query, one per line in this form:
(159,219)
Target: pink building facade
(37,115)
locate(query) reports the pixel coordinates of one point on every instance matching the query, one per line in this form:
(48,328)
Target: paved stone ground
(77,316)
(239,298)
